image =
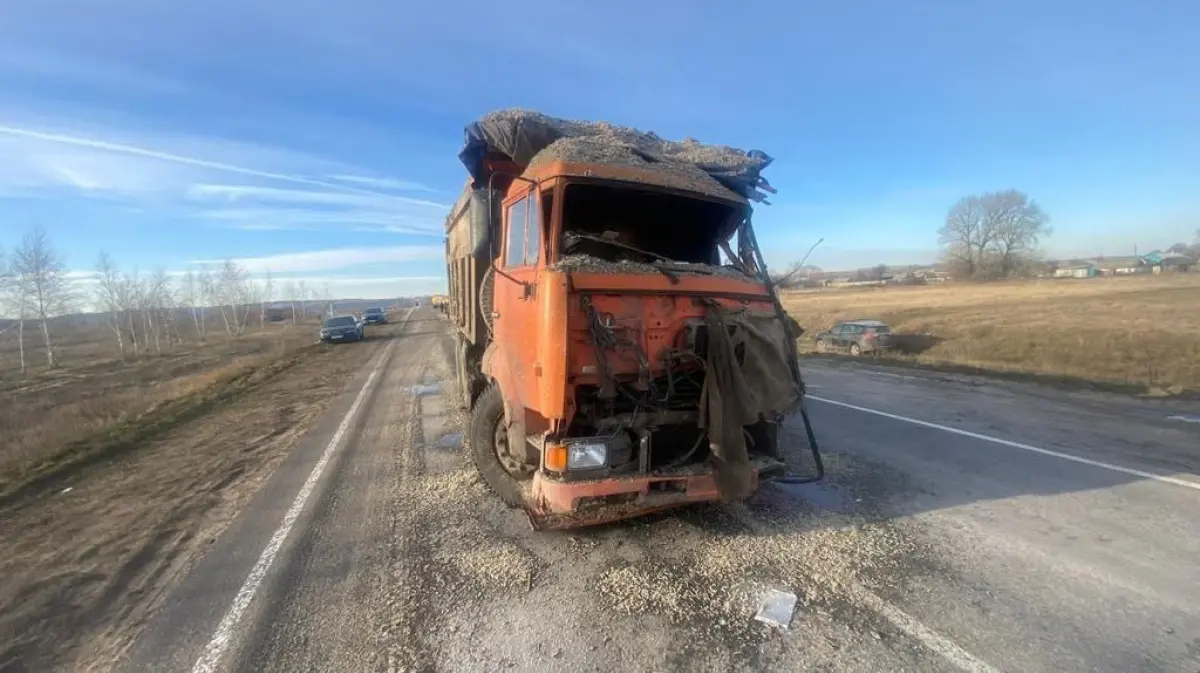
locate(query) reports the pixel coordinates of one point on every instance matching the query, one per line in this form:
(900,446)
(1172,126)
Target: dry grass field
(93,401)
(1140,332)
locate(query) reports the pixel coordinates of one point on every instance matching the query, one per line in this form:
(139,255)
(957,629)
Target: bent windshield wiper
(616,244)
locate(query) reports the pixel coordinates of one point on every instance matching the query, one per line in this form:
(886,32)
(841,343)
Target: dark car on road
(374,316)
(342,328)
(856,336)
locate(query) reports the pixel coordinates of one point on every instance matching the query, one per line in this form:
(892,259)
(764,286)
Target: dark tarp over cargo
(521,135)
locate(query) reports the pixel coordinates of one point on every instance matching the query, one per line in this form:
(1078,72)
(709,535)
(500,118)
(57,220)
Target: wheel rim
(509,462)
(820,346)
(854,349)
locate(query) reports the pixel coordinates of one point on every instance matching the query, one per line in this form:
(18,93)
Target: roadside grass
(94,404)
(1137,334)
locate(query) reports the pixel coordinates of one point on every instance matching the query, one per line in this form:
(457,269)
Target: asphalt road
(964,526)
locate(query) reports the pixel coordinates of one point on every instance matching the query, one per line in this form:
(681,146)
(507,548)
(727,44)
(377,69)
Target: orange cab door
(516,306)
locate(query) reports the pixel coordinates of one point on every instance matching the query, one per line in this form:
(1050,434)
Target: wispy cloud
(315,210)
(383,183)
(197,187)
(365,220)
(196,162)
(258,193)
(334,259)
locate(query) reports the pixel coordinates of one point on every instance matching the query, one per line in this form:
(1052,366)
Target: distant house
(929,275)
(1122,266)
(1152,262)
(1174,264)
(1075,268)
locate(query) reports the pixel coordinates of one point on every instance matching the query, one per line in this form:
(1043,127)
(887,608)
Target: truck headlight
(584,455)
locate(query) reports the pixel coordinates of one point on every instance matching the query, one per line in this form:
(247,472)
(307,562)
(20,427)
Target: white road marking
(1185,419)
(915,629)
(211,657)
(1017,445)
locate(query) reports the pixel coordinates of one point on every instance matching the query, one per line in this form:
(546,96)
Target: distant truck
(619,343)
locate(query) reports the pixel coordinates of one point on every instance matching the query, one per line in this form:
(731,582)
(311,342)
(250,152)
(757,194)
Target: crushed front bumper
(557,504)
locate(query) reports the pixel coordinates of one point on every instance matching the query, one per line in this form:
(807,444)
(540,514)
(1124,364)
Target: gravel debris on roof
(719,157)
(671,174)
(523,134)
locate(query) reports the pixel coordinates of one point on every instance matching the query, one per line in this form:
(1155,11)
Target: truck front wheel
(501,471)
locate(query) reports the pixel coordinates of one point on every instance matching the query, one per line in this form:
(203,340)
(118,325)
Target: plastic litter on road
(777,608)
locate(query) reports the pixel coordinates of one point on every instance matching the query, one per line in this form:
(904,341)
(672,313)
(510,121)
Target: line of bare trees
(145,313)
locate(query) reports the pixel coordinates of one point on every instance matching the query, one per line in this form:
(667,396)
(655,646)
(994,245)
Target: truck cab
(622,350)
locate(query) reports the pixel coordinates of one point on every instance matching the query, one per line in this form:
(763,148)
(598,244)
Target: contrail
(187,161)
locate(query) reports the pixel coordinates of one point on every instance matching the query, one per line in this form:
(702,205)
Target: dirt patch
(86,565)
(227,385)
(50,415)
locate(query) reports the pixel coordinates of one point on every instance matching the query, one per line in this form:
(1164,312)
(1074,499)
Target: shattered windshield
(618,223)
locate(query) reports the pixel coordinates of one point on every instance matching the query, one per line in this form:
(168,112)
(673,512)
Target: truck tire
(487,426)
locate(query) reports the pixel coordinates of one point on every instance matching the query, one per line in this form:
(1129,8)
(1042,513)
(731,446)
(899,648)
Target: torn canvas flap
(749,377)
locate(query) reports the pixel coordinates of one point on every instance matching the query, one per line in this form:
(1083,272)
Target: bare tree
(162,307)
(1018,224)
(110,296)
(302,292)
(252,297)
(268,288)
(216,290)
(290,294)
(208,296)
(965,236)
(233,289)
(190,298)
(147,304)
(135,291)
(13,298)
(38,267)
(995,233)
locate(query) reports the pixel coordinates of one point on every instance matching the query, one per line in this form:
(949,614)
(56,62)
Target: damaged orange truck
(618,341)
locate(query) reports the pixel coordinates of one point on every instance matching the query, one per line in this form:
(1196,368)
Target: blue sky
(319,139)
